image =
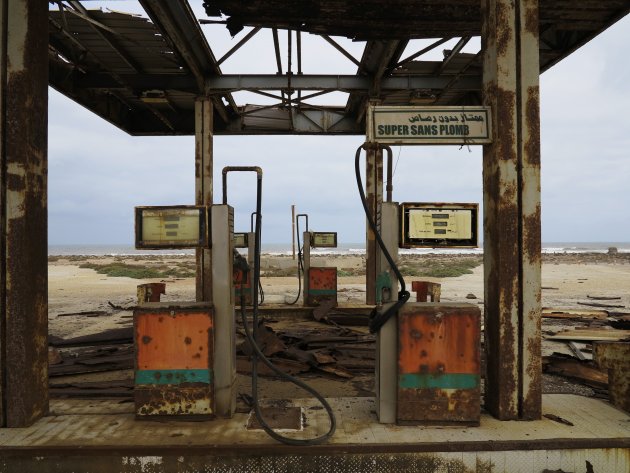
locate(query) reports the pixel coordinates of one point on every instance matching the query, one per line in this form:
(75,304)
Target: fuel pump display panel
(171,227)
(324,239)
(241,240)
(435,225)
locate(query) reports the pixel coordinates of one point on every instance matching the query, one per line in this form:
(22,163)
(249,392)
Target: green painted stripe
(438,381)
(173,376)
(322,292)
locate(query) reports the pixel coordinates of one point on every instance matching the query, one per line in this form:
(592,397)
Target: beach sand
(567,280)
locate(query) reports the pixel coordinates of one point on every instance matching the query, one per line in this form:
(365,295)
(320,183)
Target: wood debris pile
(337,351)
(593,325)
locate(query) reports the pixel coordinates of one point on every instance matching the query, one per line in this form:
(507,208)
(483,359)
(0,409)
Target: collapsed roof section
(143,73)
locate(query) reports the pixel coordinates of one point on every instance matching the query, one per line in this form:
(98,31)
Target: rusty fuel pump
(318,283)
(427,361)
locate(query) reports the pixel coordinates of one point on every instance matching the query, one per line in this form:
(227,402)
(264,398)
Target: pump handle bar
(297,222)
(227,169)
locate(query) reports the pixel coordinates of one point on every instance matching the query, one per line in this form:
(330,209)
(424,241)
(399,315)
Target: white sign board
(429,125)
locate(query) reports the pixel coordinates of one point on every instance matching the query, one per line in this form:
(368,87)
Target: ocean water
(279,249)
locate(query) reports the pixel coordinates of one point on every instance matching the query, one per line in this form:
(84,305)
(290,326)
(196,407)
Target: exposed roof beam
(230,83)
(339,48)
(378,60)
(454,52)
(178,24)
(238,45)
(276,48)
(430,47)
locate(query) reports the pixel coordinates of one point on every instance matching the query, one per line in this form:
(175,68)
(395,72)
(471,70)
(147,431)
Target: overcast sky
(98,173)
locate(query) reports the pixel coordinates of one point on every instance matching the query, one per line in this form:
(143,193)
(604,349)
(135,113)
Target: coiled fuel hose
(377,319)
(252,336)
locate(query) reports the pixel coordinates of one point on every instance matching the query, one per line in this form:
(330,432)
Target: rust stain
(531,17)
(505,137)
(187,399)
(531,237)
(503,30)
(532,116)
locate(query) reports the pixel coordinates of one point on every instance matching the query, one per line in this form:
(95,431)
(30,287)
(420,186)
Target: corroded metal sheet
(438,364)
(177,401)
(322,285)
(174,346)
(150,292)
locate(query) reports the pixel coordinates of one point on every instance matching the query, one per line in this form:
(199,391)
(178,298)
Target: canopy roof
(143,73)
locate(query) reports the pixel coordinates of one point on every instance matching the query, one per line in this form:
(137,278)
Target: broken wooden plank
(597,304)
(336,370)
(108,337)
(591,335)
(604,298)
(567,313)
(578,351)
(585,372)
(86,313)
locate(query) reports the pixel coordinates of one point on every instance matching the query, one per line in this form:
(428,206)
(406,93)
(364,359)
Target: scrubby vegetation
(138,271)
(439,268)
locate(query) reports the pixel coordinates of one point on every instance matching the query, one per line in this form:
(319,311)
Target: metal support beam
(374,195)
(234,82)
(238,45)
(511,184)
(203,189)
(454,52)
(377,61)
(339,48)
(23,210)
(344,83)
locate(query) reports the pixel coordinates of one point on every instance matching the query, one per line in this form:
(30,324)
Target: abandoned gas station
(156,74)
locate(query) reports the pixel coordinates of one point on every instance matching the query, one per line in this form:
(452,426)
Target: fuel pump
(427,361)
(185,352)
(319,282)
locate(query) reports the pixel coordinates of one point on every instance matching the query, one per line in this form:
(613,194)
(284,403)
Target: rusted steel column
(374,196)
(203,188)
(23,209)
(511,174)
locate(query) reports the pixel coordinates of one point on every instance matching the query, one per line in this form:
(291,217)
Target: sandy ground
(566,280)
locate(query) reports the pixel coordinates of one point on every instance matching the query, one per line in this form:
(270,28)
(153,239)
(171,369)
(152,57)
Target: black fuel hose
(259,355)
(377,320)
(300,262)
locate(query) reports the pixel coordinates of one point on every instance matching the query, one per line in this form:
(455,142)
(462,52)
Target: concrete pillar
(374,196)
(203,188)
(23,211)
(511,184)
